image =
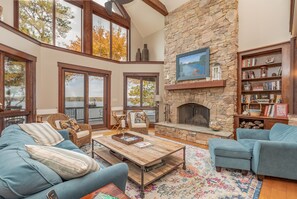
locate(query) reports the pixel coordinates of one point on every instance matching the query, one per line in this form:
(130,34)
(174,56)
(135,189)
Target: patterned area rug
(200,180)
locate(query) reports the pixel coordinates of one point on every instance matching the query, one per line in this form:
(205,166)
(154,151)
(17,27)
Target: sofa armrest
(79,187)
(256,134)
(275,159)
(64,133)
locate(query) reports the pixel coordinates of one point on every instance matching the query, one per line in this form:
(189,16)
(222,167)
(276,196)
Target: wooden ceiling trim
(158,6)
(292,10)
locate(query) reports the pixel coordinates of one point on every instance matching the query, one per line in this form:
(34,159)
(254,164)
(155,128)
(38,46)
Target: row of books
(269,111)
(267,86)
(249,62)
(261,99)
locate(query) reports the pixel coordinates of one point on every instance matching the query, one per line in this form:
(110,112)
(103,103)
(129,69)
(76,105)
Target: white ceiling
(146,19)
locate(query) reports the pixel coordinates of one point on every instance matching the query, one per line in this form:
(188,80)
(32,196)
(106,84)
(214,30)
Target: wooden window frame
(88,8)
(141,76)
(63,67)
(30,111)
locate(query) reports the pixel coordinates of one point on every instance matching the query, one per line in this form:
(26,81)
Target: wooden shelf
(197,85)
(266,91)
(260,66)
(258,103)
(260,117)
(262,79)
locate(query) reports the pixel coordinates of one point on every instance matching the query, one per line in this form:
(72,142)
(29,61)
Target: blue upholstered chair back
(283,132)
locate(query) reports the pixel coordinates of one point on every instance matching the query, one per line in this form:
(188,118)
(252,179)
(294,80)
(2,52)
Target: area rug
(199,180)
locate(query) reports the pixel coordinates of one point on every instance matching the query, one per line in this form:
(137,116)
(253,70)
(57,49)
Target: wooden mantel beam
(158,6)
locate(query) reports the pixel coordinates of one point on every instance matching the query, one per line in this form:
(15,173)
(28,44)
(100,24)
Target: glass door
(75,96)
(85,97)
(96,102)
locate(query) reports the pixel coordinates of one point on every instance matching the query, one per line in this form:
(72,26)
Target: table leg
(142,183)
(92,148)
(184,154)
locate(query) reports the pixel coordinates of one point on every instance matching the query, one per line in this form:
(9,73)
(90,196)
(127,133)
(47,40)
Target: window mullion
(141,87)
(110,43)
(54,22)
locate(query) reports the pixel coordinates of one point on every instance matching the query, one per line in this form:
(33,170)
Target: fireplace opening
(193,114)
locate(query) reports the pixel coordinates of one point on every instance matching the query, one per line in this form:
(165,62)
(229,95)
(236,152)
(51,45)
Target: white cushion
(139,125)
(42,133)
(68,164)
(58,125)
(82,133)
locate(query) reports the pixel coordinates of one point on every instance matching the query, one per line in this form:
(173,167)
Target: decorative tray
(127,138)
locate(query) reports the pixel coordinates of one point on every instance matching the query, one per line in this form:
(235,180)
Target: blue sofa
(274,152)
(23,177)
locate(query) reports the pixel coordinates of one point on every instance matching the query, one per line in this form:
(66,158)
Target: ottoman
(229,154)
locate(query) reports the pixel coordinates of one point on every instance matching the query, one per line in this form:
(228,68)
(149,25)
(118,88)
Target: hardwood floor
(272,188)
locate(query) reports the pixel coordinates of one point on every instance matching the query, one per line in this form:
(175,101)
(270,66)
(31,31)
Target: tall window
(140,92)
(17,86)
(109,39)
(36,19)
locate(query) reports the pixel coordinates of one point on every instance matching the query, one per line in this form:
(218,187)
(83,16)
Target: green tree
(148,92)
(14,81)
(36,19)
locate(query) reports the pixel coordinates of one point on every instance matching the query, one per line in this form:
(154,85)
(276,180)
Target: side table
(109,189)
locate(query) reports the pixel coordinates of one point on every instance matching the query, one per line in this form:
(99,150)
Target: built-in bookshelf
(263,87)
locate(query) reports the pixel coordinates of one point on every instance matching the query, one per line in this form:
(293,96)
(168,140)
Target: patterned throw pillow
(42,133)
(139,118)
(67,164)
(70,124)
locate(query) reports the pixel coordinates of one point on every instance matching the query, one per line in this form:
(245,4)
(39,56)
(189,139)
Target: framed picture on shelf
(281,110)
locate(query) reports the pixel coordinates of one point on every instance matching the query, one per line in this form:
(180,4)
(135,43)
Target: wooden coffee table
(139,158)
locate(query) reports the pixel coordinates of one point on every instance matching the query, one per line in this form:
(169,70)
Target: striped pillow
(42,133)
(68,164)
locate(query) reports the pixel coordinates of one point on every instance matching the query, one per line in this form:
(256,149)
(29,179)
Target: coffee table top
(141,156)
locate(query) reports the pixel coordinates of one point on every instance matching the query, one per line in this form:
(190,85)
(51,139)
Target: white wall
(156,43)
(136,41)
(263,22)
(7,11)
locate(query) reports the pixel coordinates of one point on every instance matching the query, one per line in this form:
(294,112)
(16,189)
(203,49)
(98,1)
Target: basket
(255,112)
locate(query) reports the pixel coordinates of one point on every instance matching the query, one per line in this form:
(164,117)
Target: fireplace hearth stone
(190,133)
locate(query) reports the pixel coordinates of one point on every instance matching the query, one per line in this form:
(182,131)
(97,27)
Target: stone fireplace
(193,114)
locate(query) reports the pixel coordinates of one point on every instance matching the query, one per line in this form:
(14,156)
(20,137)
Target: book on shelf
(249,62)
(155,165)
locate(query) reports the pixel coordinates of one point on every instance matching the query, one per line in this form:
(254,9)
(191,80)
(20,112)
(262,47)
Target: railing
(95,114)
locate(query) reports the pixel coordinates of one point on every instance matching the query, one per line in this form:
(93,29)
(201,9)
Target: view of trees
(36,20)
(14,82)
(134,91)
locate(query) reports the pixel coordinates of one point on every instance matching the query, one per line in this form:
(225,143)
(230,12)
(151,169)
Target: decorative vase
(138,55)
(145,53)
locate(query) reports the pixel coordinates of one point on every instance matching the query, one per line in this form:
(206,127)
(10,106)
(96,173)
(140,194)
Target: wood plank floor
(272,188)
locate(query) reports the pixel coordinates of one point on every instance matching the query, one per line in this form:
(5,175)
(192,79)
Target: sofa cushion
(14,137)
(66,163)
(67,144)
(81,134)
(228,148)
(291,135)
(21,176)
(279,131)
(42,133)
(248,143)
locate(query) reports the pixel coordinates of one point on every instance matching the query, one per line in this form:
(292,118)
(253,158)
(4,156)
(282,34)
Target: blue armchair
(274,152)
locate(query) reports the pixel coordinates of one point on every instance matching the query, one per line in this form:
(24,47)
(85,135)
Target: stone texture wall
(199,24)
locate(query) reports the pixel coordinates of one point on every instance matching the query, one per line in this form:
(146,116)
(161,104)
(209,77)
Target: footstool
(229,153)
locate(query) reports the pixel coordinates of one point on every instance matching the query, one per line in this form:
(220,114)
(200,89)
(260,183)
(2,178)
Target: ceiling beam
(292,12)
(158,6)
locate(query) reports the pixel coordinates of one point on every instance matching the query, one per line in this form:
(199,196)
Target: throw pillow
(68,164)
(70,124)
(42,133)
(140,118)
